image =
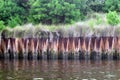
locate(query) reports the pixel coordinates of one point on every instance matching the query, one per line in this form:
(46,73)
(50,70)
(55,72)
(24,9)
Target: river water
(59,70)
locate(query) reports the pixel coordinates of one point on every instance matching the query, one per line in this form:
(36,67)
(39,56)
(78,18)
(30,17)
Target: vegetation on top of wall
(113,18)
(2,26)
(76,30)
(20,12)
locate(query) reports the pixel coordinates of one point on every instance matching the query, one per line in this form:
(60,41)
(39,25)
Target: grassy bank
(78,29)
(96,25)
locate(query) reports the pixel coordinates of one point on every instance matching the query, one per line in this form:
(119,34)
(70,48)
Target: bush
(14,21)
(91,23)
(2,26)
(98,20)
(112,18)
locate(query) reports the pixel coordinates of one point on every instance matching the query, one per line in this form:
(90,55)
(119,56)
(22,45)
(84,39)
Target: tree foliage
(63,12)
(8,10)
(112,5)
(54,11)
(17,12)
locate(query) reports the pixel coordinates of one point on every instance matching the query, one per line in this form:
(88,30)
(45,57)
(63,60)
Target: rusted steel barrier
(61,48)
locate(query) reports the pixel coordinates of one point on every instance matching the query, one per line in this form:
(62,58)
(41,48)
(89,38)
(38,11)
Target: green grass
(96,24)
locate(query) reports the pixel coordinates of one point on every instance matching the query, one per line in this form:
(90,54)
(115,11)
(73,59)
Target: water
(59,70)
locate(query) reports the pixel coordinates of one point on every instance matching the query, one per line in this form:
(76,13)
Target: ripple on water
(118,69)
(84,79)
(86,72)
(101,72)
(9,78)
(77,78)
(38,79)
(109,76)
(93,79)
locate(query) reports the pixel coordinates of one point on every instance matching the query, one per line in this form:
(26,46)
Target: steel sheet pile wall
(60,48)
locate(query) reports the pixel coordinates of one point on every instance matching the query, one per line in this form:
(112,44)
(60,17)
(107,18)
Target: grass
(96,25)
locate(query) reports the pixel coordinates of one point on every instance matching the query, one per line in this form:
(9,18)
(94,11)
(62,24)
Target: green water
(59,70)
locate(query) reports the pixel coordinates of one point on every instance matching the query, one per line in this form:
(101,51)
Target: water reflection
(59,70)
